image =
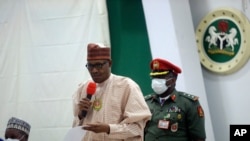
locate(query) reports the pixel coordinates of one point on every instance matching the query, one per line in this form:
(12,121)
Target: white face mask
(159,85)
(9,139)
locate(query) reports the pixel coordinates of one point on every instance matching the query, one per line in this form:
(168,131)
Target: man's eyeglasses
(97,65)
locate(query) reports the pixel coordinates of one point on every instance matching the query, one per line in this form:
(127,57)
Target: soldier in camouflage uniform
(176,116)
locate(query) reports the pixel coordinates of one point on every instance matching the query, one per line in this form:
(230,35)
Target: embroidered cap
(161,67)
(98,52)
(19,124)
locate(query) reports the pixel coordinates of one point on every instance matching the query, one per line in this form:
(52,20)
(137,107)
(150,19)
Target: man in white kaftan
(118,111)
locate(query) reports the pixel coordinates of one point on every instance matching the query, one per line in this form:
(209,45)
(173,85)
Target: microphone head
(91,88)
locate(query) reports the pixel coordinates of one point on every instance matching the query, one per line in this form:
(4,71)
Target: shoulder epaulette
(189,96)
(147,97)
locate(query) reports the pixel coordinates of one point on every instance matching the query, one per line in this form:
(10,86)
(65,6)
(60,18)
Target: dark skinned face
(171,80)
(99,69)
(15,134)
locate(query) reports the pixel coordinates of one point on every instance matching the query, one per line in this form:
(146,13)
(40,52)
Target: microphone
(91,88)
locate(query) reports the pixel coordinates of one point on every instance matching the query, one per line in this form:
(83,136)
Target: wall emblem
(222,42)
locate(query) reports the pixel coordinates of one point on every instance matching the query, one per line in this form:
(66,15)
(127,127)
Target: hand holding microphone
(85,103)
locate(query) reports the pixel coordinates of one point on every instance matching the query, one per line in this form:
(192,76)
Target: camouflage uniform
(181,112)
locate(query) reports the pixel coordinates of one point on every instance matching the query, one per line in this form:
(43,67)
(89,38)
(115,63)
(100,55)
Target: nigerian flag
(130,48)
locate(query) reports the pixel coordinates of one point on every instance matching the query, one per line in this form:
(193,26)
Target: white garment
(123,108)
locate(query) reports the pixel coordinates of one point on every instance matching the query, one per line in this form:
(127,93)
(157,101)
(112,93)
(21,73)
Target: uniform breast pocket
(176,117)
(176,122)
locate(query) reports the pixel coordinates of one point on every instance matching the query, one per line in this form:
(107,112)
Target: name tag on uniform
(163,124)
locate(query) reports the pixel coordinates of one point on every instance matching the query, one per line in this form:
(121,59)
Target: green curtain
(130,48)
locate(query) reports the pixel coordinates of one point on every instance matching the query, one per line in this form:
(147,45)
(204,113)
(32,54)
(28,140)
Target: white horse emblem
(212,39)
(222,36)
(231,40)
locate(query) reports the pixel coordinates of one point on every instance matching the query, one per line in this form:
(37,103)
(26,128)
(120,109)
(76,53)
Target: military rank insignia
(200,111)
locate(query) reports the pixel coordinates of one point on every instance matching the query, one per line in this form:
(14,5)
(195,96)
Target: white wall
(228,95)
